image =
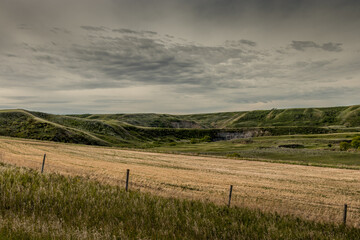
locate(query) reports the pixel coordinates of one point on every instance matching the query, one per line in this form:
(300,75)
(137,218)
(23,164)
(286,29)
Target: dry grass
(309,192)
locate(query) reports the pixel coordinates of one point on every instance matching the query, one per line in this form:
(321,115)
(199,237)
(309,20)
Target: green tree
(344,146)
(355,143)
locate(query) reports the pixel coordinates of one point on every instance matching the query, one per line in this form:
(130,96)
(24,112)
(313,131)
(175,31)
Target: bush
(233,155)
(207,138)
(193,141)
(344,146)
(355,143)
(292,146)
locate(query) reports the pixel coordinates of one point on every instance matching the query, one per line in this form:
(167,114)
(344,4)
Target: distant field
(316,193)
(314,149)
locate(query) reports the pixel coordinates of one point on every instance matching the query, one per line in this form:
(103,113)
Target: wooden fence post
(43,164)
(127,179)
(345,214)
(231,188)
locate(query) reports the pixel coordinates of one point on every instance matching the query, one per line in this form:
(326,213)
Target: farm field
(308,192)
(311,149)
(53,206)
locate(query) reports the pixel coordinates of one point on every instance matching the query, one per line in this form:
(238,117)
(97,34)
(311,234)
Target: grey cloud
(294,94)
(124,61)
(150,32)
(47,59)
(130,60)
(133,32)
(117,101)
(139,47)
(92,28)
(59,30)
(332,47)
(32,100)
(124,30)
(23,27)
(303,45)
(240,43)
(236,72)
(248,42)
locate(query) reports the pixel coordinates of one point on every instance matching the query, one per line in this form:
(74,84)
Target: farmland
(292,171)
(307,192)
(311,149)
(52,206)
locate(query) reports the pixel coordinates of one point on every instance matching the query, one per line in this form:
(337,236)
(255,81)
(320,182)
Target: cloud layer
(140,67)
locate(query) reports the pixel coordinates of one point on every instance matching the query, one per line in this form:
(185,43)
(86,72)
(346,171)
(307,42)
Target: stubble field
(315,193)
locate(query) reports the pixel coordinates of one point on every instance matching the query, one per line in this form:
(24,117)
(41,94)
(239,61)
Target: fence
(127,181)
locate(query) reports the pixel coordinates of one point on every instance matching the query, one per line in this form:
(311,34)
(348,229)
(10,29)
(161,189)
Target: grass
(307,192)
(52,206)
(153,130)
(340,116)
(317,149)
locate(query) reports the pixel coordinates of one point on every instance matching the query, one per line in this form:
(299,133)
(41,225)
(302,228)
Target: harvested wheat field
(315,193)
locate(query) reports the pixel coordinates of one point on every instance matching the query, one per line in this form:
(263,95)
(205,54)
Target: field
(51,206)
(308,192)
(311,149)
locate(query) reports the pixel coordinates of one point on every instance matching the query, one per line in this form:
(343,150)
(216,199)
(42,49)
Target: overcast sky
(178,56)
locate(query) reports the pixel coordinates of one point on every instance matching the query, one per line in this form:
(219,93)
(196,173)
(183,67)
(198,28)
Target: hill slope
(143,130)
(317,117)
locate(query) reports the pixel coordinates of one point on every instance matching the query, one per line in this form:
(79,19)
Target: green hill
(144,130)
(317,117)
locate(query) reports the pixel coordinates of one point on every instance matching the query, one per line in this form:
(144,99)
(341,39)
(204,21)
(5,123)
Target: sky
(178,56)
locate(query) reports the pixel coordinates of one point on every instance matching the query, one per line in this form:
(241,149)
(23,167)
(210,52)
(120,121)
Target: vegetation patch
(291,146)
(52,206)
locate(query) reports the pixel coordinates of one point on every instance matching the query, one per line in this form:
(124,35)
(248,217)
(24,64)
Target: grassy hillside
(316,117)
(148,130)
(51,206)
(20,123)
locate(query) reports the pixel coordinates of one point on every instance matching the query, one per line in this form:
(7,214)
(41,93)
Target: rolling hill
(146,130)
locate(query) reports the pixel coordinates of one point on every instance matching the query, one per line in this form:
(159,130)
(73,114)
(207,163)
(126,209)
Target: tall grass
(52,206)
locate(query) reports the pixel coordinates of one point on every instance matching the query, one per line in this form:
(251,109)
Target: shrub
(344,146)
(355,143)
(206,138)
(291,146)
(233,155)
(193,141)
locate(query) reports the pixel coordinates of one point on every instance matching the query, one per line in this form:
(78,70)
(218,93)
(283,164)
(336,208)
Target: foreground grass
(52,206)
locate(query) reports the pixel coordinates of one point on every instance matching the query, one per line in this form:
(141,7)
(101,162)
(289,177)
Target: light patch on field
(316,193)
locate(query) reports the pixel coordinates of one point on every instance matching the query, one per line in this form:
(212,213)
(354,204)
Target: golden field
(316,193)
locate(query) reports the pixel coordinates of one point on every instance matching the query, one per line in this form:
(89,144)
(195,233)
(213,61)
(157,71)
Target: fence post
(345,214)
(43,164)
(127,179)
(231,188)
